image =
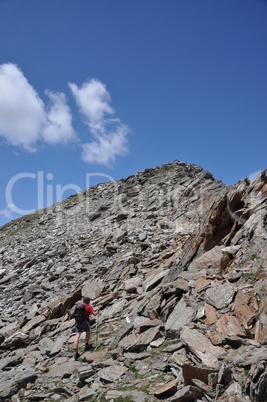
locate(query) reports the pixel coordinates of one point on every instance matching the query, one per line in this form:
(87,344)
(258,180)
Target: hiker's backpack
(79,312)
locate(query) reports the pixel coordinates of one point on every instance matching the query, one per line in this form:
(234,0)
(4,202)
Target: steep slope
(177,262)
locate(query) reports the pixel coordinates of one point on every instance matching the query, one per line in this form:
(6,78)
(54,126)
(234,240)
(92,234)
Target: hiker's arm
(96,312)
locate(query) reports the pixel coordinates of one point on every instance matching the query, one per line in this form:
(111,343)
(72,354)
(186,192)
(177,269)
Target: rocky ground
(177,262)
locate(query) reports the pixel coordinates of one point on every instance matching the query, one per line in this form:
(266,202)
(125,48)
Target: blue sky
(95,91)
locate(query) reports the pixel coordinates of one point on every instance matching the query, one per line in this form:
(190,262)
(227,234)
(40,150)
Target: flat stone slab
(86,393)
(132,284)
(157,343)
(11,382)
(201,347)
(210,313)
(248,356)
(179,358)
(85,372)
(112,374)
(62,370)
(173,347)
(187,394)
(46,345)
(124,329)
(134,343)
(202,283)
(227,326)
(181,315)
(136,396)
(136,356)
(242,311)
(213,259)
(146,323)
(154,279)
(220,296)
(261,329)
(93,289)
(33,323)
(95,357)
(12,361)
(116,308)
(169,388)
(16,340)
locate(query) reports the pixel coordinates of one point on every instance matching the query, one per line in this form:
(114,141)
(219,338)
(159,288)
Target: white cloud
(58,127)
(23,117)
(107,147)
(21,110)
(25,120)
(110,135)
(93,100)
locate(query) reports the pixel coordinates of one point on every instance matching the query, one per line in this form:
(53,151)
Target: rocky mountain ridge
(177,262)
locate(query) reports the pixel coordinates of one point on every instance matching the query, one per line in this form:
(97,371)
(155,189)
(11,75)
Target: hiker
(83,324)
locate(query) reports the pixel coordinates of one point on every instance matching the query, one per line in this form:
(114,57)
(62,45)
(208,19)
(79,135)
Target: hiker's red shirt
(88,310)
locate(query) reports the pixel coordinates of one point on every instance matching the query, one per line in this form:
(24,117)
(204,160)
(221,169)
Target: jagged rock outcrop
(177,261)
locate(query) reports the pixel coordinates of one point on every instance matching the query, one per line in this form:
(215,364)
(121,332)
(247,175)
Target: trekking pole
(96,333)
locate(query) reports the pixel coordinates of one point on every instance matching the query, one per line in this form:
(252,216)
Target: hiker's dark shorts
(82,327)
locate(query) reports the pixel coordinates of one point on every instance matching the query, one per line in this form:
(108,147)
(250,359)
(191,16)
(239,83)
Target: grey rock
(138,342)
(13,381)
(154,279)
(111,374)
(231,250)
(136,356)
(58,346)
(172,348)
(16,340)
(224,375)
(142,236)
(250,355)
(260,390)
(191,372)
(214,259)
(234,389)
(86,393)
(202,347)
(46,345)
(124,329)
(187,394)
(2,338)
(85,372)
(11,360)
(220,296)
(181,315)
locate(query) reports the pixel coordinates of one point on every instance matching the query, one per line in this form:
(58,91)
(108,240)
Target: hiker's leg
(76,343)
(76,340)
(87,337)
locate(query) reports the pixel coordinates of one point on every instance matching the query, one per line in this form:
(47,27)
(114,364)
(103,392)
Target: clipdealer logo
(47,193)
